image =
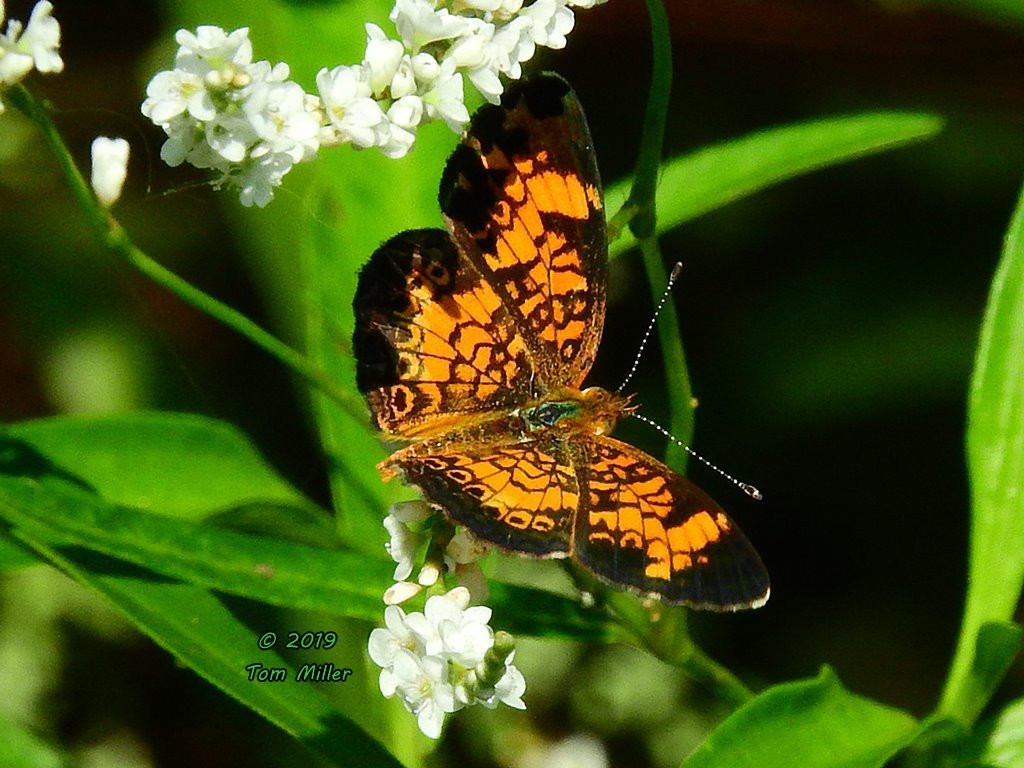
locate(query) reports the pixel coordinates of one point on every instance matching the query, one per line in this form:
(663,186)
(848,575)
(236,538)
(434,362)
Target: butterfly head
(593,411)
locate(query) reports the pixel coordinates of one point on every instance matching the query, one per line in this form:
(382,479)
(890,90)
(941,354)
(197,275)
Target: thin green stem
(665,635)
(640,213)
(645,181)
(113,236)
(677,375)
(661,631)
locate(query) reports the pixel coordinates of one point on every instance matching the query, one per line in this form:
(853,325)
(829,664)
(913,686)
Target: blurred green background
(829,323)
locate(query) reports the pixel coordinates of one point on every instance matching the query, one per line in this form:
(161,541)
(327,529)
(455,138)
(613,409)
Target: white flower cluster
(32,47)
(445,659)
(247,121)
(460,555)
(223,111)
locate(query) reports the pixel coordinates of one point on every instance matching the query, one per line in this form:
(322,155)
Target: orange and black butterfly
(472,345)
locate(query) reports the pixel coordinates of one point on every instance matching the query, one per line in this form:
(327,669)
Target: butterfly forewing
(522,197)
(433,341)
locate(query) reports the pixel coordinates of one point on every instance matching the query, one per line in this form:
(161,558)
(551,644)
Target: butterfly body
(472,346)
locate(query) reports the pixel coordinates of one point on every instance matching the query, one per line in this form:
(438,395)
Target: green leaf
(274,571)
(694,184)
(205,636)
(283,573)
(995,458)
(997,10)
(172,463)
(13,554)
(808,723)
(53,513)
(1005,748)
(21,749)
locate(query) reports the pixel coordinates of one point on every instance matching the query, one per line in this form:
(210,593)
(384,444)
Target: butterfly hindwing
(522,197)
(520,496)
(644,526)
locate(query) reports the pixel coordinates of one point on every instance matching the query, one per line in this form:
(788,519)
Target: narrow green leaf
(13,554)
(21,749)
(997,10)
(274,571)
(995,458)
(694,184)
(808,723)
(1005,748)
(205,636)
(333,582)
(171,463)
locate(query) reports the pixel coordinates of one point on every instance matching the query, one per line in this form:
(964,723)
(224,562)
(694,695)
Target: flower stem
(662,631)
(113,236)
(645,180)
(640,213)
(667,637)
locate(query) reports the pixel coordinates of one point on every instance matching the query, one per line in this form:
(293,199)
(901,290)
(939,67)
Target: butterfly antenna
(747,488)
(650,326)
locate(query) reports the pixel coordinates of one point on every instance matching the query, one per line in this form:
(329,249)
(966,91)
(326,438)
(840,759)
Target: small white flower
(400,592)
(346,97)
(258,177)
(404,543)
(13,64)
(109,168)
(413,511)
(284,119)
(508,690)
(515,42)
(396,634)
(404,82)
(171,93)
(381,59)
(42,38)
(406,112)
(423,687)
(470,50)
(444,100)
(211,48)
(419,23)
(425,67)
(465,548)
(230,136)
(34,46)
(468,637)
(551,21)
(486,51)
(402,546)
